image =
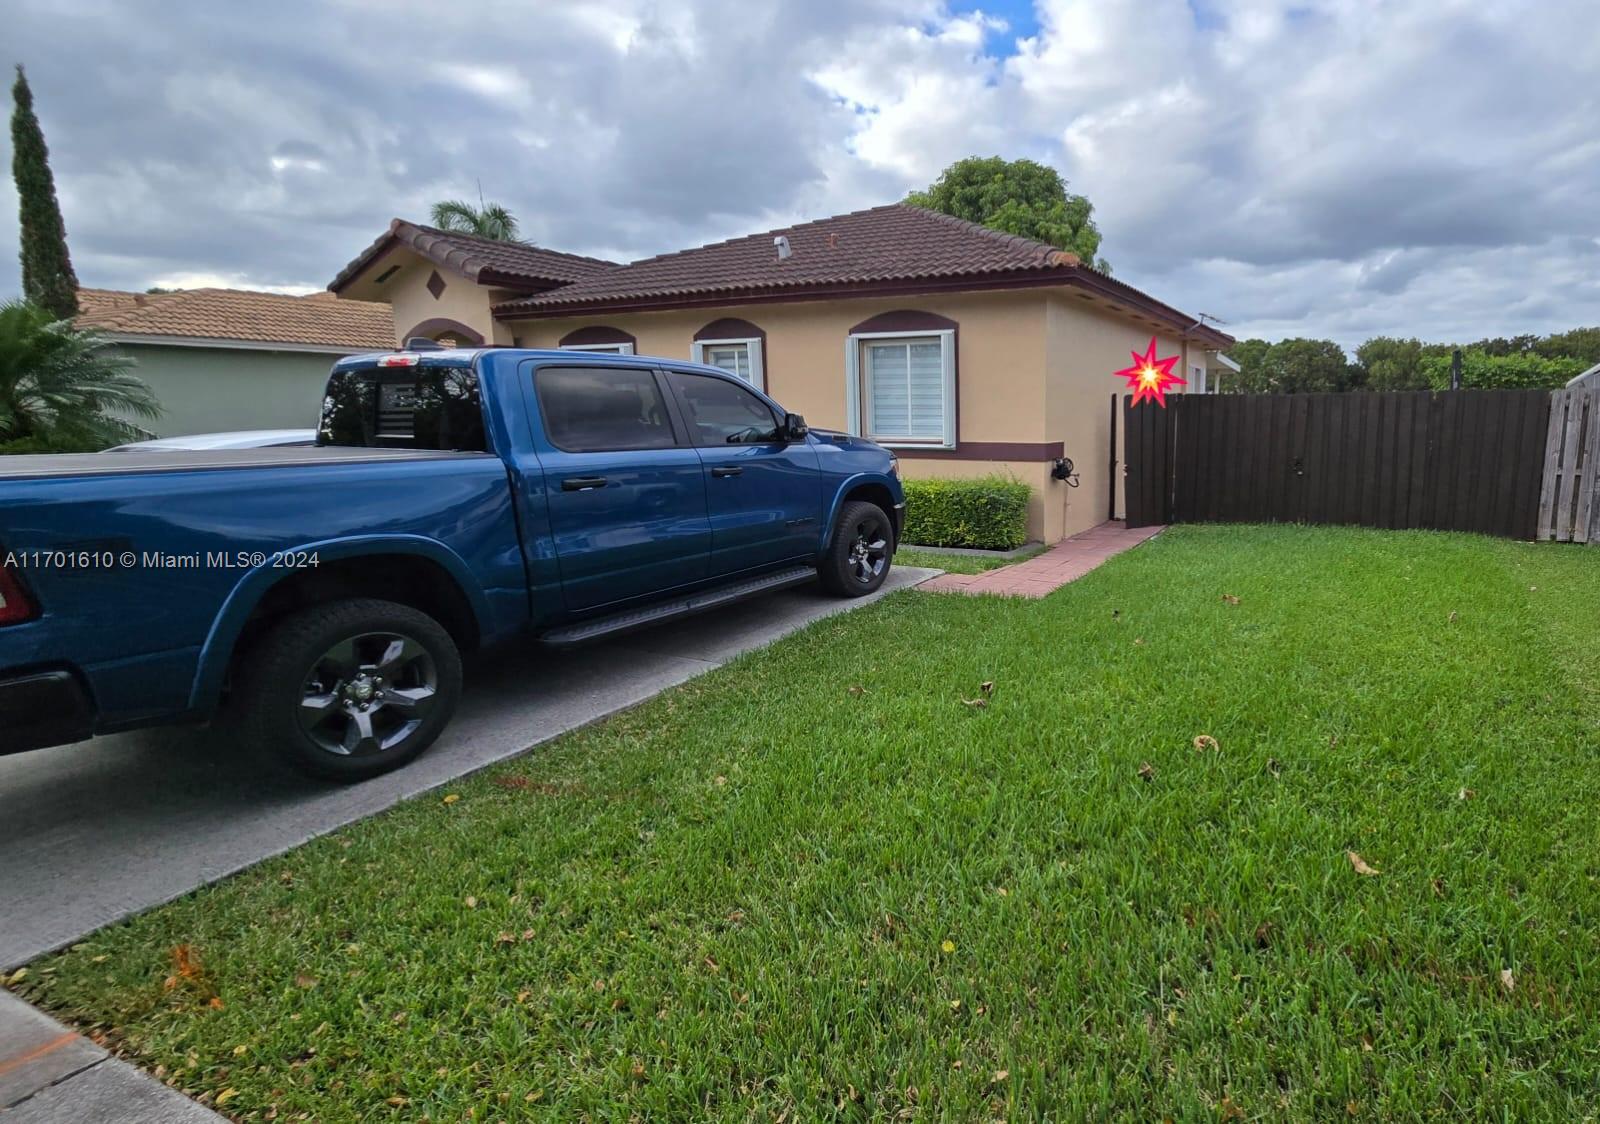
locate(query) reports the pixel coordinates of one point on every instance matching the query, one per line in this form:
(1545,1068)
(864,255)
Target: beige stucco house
(966,350)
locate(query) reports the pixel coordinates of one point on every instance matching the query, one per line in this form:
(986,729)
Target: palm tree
(489,220)
(61,389)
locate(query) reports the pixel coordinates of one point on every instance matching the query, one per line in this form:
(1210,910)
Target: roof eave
(1067,275)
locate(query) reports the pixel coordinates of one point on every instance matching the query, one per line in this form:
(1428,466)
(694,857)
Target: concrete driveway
(94,832)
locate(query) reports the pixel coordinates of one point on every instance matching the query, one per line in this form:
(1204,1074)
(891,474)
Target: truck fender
(217,652)
(849,485)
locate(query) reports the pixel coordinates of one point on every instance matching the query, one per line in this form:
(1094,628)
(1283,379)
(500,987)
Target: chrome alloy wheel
(869,551)
(368,694)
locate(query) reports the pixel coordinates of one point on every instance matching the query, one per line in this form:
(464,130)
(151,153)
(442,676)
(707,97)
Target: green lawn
(817,885)
(959,563)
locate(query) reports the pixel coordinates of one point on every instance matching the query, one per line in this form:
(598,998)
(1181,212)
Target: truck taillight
(15,607)
(400,359)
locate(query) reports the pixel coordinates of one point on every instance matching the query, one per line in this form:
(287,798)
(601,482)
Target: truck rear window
(405,408)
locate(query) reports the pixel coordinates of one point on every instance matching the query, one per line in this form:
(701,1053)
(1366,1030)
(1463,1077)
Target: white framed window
(901,387)
(741,358)
(607,348)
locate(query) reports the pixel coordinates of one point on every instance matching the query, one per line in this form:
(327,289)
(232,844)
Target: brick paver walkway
(1045,573)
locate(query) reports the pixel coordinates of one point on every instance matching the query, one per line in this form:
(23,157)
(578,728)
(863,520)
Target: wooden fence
(1569,501)
(1456,460)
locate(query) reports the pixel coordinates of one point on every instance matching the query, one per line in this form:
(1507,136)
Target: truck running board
(627,621)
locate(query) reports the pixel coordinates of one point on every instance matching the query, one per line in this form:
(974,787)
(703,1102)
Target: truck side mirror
(794,427)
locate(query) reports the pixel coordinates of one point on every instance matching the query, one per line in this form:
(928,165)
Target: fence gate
(1569,507)
(1468,460)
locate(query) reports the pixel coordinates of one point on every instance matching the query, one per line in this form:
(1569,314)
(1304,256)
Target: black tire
(338,652)
(860,552)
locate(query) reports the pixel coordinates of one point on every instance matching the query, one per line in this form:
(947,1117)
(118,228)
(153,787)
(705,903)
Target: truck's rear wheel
(860,552)
(351,689)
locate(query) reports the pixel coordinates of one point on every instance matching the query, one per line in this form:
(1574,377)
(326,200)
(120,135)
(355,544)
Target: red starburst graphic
(1150,377)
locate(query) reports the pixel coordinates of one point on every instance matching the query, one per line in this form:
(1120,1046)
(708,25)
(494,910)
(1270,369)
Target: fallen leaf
(976,704)
(1507,980)
(987,686)
(1147,772)
(1466,794)
(226,1095)
(186,962)
(1206,741)
(1002,891)
(720,781)
(1230,598)
(1274,766)
(504,937)
(527,934)
(1138,641)
(397,1102)
(240,1051)
(948,946)
(303,980)
(858,691)
(1352,1108)
(955,1004)
(999,1076)
(1229,1110)
(452,798)
(470,902)
(522,996)
(1172,1016)
(956,1064)
(216,1003)
(16,977)
(1360,864)
(1453,615)
(1438,887)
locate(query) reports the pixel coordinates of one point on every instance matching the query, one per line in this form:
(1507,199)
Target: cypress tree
(47,277)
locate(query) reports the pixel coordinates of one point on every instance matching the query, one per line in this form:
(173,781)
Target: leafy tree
(62,389)
(1019,197)
(1482,369)
(1582,344)
(47,277)
(1293,366)
(490,220)
(1392,364)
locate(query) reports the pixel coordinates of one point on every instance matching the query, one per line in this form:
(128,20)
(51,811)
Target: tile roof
(484,261)
(318,320)
(882,248)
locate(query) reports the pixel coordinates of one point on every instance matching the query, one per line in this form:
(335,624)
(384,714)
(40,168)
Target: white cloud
(1315,167)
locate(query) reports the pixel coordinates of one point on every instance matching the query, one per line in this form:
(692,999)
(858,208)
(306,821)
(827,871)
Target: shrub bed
(986,512)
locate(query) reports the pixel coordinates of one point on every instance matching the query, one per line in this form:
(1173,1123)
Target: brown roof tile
(233,314)
(880,248)
(484,261)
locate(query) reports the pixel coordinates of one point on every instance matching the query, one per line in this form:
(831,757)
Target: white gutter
(236,345)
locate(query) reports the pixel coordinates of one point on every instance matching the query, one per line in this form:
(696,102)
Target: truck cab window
(603,409)
(434,408)
(720,412)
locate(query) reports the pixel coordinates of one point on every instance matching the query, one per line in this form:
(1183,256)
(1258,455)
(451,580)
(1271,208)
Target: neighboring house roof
(1591,377)
(238,318)
(897,248)
(484,261)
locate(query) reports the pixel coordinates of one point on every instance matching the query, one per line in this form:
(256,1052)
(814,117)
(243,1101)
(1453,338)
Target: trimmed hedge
(985,512)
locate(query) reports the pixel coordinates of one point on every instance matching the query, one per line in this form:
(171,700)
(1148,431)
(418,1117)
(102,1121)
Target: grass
(959,563)
(816,884)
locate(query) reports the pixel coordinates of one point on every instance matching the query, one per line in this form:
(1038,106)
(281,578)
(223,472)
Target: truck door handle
(726,470)
(583,483)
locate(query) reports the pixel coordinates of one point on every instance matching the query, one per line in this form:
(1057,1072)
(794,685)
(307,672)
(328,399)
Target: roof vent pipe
(784,252)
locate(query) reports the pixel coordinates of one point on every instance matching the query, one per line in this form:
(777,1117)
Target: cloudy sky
(1334,168)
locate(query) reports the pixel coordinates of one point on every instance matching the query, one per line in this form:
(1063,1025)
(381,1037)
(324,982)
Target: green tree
(1293,366)
(1019,197)
(1392,364)
(1485,370)
(47,277)
(1582,344)
(62,389)
(490,220)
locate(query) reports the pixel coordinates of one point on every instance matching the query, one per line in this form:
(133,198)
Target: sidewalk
(51,1075)
(1043,574)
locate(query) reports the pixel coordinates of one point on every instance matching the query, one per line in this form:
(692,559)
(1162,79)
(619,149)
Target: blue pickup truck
(320,598)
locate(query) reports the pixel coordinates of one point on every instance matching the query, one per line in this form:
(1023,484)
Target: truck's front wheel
(859,554)
(350,689)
